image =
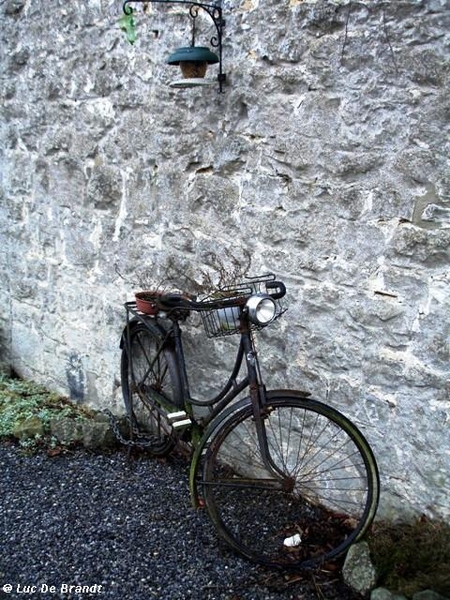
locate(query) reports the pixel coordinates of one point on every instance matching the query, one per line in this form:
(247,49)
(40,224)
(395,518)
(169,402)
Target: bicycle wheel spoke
(155,369)
(301,436)
(141,359)
(243,447)
(313,447)
(274,441)
(324,468)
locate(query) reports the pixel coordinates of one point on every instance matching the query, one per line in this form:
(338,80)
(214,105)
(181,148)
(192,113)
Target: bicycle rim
(319,496)
(151,388)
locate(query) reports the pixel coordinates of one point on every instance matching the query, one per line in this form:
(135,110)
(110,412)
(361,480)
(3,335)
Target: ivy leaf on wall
(127,24)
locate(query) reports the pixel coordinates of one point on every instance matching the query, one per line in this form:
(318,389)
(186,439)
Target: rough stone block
(29,428)
(97,435)
(66,430)
(359,572)
(385,594)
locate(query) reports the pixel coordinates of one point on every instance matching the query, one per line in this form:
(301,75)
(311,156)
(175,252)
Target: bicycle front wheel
(151,388)
(303,502)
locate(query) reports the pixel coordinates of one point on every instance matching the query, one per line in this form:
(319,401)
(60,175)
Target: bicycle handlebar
(174,301)
(236,298)
(276,285)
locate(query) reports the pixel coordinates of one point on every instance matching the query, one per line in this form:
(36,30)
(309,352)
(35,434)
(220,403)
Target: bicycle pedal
(179,420)
(182,424)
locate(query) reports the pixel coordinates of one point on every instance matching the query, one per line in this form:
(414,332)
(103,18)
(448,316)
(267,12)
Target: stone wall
(326,159)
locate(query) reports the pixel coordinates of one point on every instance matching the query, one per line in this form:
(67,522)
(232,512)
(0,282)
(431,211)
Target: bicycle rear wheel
(151,387)
(318,496)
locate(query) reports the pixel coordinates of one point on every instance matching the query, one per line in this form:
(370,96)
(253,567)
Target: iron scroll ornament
(213,9)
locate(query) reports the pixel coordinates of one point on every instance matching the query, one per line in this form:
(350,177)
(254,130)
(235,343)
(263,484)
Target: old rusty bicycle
(287,481)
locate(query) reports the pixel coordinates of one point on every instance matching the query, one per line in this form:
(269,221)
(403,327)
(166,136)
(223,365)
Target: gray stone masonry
(359,573)
(326,159)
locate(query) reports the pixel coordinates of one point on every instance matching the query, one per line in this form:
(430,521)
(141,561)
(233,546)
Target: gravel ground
(79,519)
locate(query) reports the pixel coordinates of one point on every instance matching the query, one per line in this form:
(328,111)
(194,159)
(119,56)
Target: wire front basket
(224,320)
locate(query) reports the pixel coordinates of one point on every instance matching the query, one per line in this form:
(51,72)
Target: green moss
(413,556)
(24,401)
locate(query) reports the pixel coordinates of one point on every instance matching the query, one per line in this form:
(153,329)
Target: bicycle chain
(150,440)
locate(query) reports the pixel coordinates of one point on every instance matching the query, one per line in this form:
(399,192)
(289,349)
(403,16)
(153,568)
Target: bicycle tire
(326,501)
(151,388)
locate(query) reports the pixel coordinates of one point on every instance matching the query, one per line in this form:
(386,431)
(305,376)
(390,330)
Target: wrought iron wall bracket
(213,9)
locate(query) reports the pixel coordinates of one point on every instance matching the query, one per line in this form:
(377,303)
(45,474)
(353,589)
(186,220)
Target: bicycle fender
(131,325)
(134,323)
(216,423)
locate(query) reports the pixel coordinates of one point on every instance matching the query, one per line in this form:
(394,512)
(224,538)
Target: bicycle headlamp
(261,309)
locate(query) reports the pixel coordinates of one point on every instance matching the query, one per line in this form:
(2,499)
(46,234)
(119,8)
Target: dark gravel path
(127,526)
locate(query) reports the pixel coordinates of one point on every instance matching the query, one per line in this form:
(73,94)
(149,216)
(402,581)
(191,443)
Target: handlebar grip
(170,301)
(276,285)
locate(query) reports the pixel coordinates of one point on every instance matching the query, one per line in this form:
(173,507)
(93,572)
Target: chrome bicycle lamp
(261,309)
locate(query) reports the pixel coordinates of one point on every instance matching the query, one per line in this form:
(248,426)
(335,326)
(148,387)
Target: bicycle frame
(225,397)
(173,335)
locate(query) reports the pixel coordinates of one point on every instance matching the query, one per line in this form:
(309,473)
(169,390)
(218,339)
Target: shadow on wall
(75,377)
(4,355)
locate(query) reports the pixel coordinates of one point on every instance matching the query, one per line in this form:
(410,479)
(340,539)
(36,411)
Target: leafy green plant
(126,23)
(22,400)
(411,557)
